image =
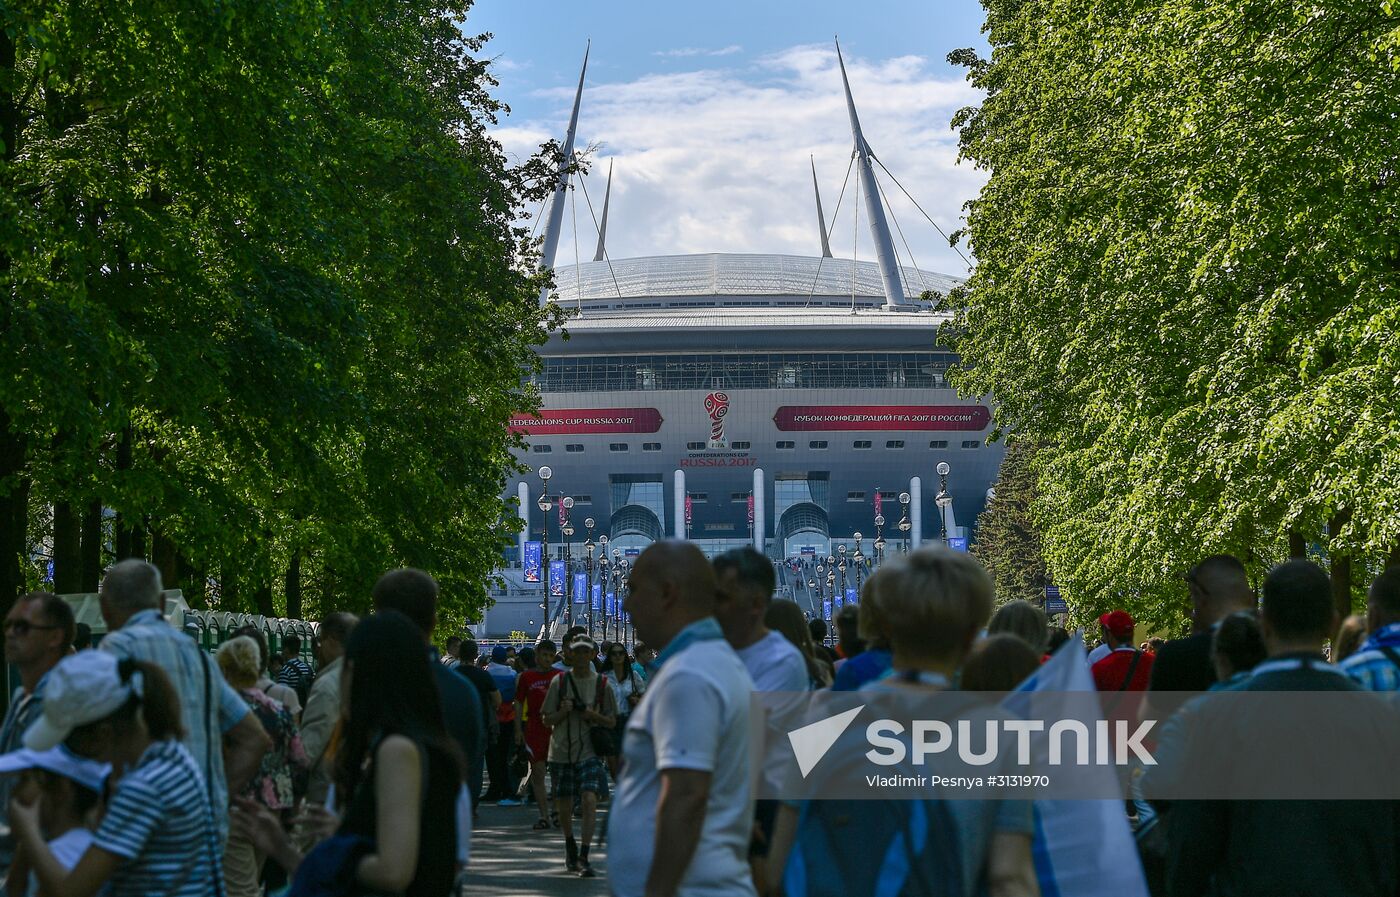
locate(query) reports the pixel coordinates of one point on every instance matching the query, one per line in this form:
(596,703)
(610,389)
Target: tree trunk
(262,600)
(166,559)
(92,548)
(123,539)
(67,548)
(1297,546)
(293,587)
(1341,567)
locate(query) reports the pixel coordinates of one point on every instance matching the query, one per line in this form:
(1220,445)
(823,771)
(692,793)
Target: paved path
(508,858)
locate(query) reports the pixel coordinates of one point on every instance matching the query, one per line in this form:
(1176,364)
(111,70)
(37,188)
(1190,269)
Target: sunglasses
(21,628)
(617,653)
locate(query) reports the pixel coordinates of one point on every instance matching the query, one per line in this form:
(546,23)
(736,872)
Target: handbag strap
(1132,668)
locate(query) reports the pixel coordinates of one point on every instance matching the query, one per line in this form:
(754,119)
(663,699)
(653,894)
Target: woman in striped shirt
(158,837)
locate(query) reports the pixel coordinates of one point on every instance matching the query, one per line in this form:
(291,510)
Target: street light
(545,505)
(943,500)
(904,524)
(567,529)
(588,546)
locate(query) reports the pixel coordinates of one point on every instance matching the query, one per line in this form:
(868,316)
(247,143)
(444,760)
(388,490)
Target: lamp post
(624,630)
(841,565)
(588,546)
(812,587)
(943,500)
(567,529)
(879,543)
(859,560)
(545,506)
(617,605)
(904,524)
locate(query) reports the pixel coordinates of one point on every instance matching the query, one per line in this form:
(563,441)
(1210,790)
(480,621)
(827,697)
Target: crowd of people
(146,766)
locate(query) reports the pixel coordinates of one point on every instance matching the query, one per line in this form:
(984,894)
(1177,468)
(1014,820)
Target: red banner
(750,509)
(582,421)
(687,510)
(878,503)
(882,417)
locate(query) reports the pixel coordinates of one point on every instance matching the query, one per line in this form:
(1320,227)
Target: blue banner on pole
(531,561)
(957,543)
(557,575)
(850,596)
(597,602)
(826,610)
(609,603)
(580,588)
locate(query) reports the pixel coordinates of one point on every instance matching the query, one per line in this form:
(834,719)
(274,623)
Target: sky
(712,115)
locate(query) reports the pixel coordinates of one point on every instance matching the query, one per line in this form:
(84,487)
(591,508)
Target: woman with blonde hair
(283,765)
(786,618)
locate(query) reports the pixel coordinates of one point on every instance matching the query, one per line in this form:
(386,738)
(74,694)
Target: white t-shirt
(1099,653)
(775,664)
(695,716)
(67,849)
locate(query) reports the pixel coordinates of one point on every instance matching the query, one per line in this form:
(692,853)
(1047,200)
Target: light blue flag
(1082,848)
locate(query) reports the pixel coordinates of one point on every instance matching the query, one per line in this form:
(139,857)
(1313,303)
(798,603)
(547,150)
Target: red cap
(1118,622)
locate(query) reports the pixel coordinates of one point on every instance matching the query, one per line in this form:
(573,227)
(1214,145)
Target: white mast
(874,209)
(603,227)
(556,206)
(821,218)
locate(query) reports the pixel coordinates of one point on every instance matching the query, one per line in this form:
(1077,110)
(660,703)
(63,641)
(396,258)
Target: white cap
(582,641)
(60,761)
(83,688)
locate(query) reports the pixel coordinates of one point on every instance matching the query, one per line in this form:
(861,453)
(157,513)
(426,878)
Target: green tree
(1184,292)
(263,297)
(1008,538)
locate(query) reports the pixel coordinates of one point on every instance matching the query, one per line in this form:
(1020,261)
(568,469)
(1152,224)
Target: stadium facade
(785,402)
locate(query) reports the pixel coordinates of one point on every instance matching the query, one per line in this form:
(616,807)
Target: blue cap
(498,654)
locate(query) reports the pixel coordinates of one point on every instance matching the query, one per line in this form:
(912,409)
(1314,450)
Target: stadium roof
(734,274)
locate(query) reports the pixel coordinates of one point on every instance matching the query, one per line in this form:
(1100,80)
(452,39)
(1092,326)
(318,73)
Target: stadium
(797,404)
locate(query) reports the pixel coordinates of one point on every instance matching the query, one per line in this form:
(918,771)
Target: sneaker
(571,855)
(508,802)
(585,870)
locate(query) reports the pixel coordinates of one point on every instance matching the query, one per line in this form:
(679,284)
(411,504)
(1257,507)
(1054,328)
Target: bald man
(1219,587)
(682,818)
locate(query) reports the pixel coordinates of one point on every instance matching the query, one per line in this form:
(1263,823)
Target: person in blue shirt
(1376,666)
(875,660)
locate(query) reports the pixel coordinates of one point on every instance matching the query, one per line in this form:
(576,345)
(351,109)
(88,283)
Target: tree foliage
(1008,537)
(263,298)
(1186,282)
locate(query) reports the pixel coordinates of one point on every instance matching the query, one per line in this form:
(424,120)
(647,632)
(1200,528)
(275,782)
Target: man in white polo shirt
(683,812)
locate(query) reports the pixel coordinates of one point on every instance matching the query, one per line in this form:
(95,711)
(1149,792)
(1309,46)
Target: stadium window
(938,444)
(573,447)
(697,497)
(583,500)
(894,443)
(855,496)
(695,446)
(786,444)
(861,444)
(740,446)
(739,496)
(972,443)
(651,446)
(817,444)
(617,446)
(541,449)
(889,496)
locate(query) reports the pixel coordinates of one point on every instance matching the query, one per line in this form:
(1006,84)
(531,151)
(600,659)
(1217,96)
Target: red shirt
(1110,672)
(532,688)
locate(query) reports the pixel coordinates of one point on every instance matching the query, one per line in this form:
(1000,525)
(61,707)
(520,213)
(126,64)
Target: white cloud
(699,51)
(716,160)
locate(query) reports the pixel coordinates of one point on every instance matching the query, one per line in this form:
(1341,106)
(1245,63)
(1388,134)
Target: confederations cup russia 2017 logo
(717,406)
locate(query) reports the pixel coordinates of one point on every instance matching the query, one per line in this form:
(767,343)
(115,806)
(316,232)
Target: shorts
(536,742)
(573,779)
